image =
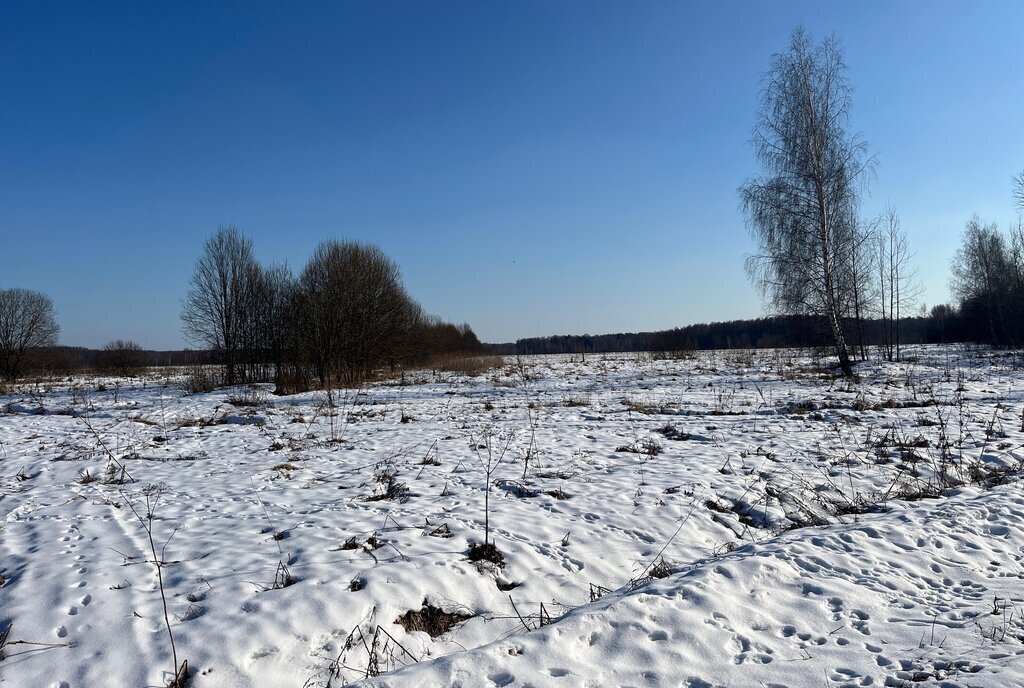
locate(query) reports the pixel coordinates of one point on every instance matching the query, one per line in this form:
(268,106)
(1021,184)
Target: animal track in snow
(836,606)
(501,678)
(860,621)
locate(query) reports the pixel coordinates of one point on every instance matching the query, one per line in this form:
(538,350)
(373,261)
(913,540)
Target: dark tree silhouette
(355,314)
(27,324)
(219,299)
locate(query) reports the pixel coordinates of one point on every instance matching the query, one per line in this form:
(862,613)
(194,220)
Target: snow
(725,519)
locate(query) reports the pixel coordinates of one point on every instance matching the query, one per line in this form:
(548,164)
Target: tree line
(988,278)
(120,357)
(345,316)
(942,325)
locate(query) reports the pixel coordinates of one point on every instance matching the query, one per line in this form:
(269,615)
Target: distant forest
(69,359)
(943,325)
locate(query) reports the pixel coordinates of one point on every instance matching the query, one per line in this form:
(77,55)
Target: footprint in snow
(810,589)
(843,674)
(502,678)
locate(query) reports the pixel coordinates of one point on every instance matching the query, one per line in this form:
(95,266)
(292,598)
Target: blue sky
(534,167)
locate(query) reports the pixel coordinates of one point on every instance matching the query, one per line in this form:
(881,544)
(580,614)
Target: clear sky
(534,167)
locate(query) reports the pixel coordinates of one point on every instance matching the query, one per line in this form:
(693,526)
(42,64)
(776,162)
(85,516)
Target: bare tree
(356,315)
(940,315)
(277,316)
(898,288)
(803,211)
(857,274)
(123,358)
(1018,191)
(27,323)
(980,270)
(219,300)
(320,298)
(255,322)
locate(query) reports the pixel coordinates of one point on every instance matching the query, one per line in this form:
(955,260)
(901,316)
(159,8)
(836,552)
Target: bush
(201,379)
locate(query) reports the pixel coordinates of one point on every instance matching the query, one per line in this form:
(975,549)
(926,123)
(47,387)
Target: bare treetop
(1018,191)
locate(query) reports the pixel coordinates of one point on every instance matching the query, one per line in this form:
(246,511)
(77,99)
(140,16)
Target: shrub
(201,379)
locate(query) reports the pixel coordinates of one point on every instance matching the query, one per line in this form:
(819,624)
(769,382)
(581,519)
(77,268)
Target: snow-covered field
(728,519)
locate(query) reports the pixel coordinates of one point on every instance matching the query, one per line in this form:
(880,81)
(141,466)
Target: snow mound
(926,594)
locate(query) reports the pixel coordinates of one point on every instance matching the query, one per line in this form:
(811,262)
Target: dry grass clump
(393,490)
(442,531)
(671,432)
(637,406)
(284,470)
(432,620)
(647,447)
(465,364)
(480,552)
(251,397)
(862,404)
